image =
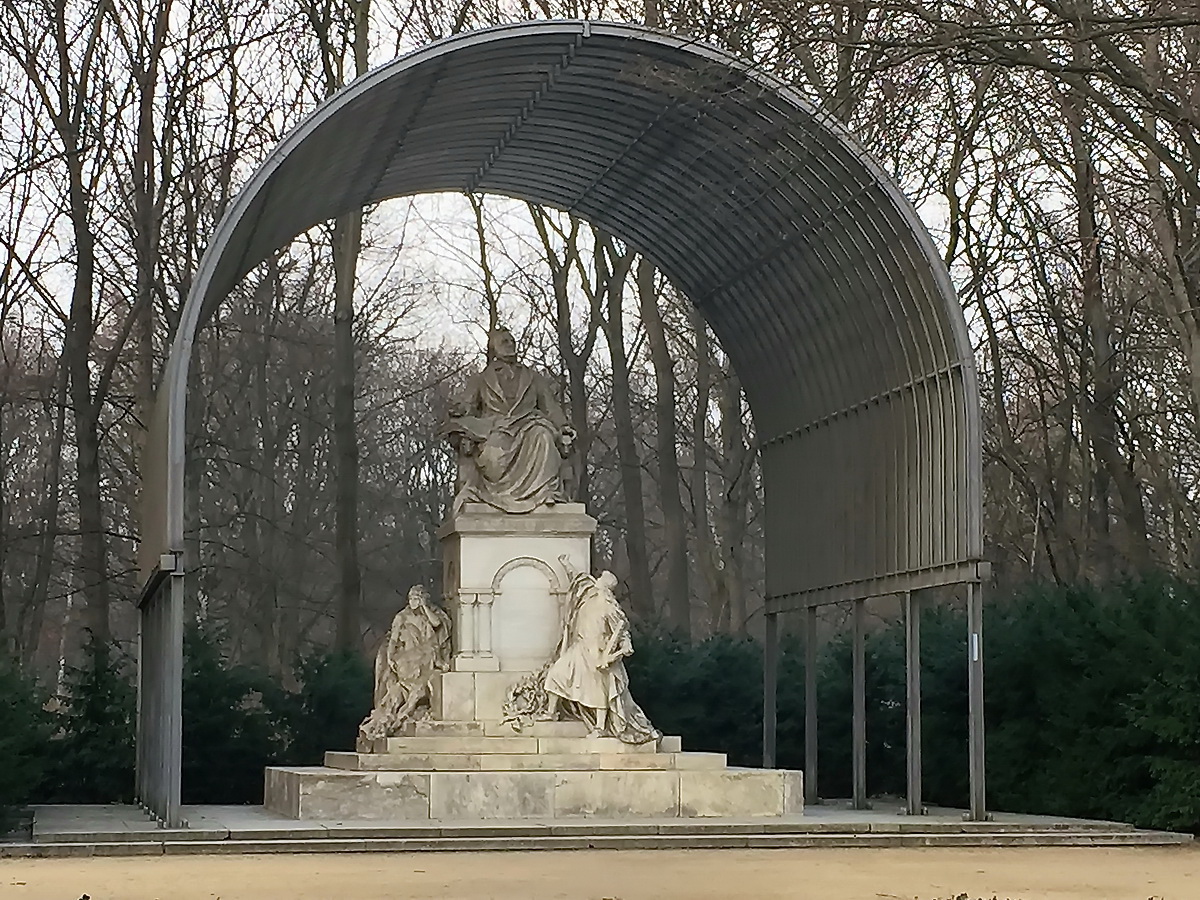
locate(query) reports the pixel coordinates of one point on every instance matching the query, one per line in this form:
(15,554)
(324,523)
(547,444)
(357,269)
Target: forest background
(1053,150)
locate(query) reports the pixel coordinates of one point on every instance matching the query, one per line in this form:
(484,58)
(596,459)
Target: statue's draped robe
(509,423)
(597,628)
(417,645)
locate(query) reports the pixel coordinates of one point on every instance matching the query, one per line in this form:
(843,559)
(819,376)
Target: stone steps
(492,727)
(536,742)
(601,837)
(498,762)
(321,792)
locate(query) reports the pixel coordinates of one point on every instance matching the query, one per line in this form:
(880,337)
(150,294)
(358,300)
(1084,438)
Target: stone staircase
(446,770)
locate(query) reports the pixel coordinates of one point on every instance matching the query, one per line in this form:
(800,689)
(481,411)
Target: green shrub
(1091,706)
(92,754)
(709,692)
(230,731)
(334,696)
(25,730)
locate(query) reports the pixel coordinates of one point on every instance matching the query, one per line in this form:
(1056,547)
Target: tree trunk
(347,242)
(732,516)
(674,525)
(1112,466)
(705,550)
(34,609)
(629,463)
(93,545)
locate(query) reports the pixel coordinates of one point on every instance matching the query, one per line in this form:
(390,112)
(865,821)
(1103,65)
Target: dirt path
(1016,873)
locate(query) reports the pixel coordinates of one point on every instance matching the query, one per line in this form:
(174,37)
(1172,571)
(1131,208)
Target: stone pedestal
(505,584)
(507,592)
(549,770)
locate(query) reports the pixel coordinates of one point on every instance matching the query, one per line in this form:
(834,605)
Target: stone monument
(516,704)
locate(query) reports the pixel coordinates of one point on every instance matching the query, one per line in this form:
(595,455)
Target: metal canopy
(812,269)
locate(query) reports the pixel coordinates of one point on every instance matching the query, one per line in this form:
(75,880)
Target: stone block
(577,761)
(537,729)
(476,662)
(435,727)
(670,743)
(281,792)
(696,760)
(728,792)
(453,697)
(616,794)
(491,795)
(322,793)
(514,762)
(591,745)
(379,795)
(491,690)
(462,743)
(399,762)
(793,791)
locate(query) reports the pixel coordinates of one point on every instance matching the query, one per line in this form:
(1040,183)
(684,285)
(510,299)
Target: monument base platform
(550,770)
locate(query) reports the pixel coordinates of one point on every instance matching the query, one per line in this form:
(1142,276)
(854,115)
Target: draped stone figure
(510,434)
(587,677)
(417,647)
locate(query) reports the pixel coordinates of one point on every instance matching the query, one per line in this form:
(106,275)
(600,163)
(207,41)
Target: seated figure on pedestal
(417,647)
(510,434)
(587,674)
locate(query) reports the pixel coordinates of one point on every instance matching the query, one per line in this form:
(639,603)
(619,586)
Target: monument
(515,704)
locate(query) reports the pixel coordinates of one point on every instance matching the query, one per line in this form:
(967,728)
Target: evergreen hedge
(1093,709)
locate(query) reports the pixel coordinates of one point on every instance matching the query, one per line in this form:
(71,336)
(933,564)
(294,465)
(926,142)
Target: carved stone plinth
(506,585)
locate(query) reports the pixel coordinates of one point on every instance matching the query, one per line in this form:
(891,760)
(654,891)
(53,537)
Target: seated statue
(510,434)
(587,677)
(417,646)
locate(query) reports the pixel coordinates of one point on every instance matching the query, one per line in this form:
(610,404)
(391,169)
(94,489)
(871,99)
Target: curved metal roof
(810,266)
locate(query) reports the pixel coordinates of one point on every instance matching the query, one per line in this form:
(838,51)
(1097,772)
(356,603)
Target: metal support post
(810,707)
(859,751)
(912,669)
(160,694)
(770,683)
(975,706)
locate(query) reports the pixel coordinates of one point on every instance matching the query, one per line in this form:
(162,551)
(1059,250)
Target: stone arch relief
(526,605)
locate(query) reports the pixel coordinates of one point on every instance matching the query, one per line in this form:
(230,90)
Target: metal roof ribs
(531,103)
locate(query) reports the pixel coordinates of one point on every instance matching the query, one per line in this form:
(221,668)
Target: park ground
(878,874)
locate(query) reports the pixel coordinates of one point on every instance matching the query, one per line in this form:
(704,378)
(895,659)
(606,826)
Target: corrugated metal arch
(805,258)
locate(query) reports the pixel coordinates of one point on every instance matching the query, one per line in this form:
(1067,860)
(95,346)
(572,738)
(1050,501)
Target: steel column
(912,670)
(975,704)
(859,750)
(770,682)
(160,701)
(811,797)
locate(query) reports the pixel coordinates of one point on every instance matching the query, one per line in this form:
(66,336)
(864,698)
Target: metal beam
(912,672)
(859,738)
(881,585)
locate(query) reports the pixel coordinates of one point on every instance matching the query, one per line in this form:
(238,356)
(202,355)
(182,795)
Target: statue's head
(502,345)
(418,596)
(608,581)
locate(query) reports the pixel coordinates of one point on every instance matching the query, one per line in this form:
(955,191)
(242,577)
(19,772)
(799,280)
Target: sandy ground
(901,874)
